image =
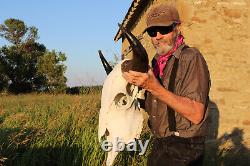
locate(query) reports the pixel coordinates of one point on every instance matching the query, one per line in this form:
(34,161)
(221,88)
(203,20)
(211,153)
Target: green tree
(21,61)
(51,66)
(3,79)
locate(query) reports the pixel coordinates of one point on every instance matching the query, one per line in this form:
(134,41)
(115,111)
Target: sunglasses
(152,32)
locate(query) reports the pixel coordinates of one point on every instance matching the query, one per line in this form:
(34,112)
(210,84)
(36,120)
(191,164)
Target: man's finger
(135,73)
(150,72)
(128,77)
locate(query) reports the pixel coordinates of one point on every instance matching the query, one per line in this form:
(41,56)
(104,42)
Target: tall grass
(61,130)
(53,130)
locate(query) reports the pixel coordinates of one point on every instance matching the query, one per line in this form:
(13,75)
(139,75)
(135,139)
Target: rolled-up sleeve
(196,78)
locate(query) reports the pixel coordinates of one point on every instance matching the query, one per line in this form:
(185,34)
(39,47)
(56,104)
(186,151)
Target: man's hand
(192,110)
(145,80)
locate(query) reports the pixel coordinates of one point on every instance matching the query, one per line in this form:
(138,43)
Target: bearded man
(177,92)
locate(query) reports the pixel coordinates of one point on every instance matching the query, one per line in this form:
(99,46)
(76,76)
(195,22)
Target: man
(177,92)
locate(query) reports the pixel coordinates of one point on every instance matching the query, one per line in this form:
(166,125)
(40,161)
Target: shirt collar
(178,51)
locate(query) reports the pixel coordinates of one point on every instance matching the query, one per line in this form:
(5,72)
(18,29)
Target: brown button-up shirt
(192,81)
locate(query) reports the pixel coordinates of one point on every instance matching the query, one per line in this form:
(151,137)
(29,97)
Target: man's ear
(178,28)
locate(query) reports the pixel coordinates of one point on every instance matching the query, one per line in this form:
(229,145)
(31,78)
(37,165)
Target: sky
(77,28)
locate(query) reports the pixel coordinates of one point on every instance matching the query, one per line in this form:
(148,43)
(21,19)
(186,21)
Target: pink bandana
(162,60)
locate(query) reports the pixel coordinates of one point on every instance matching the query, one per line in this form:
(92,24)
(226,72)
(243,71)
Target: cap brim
(158,25)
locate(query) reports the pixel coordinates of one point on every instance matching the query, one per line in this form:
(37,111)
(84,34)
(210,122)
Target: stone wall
(221,30)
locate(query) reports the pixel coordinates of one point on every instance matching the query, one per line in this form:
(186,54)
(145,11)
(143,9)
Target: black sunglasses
(152,31)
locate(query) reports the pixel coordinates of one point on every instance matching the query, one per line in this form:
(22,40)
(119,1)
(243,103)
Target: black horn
(105,64)
(139,62)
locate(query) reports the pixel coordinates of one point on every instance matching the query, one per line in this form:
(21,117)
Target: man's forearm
(188,108)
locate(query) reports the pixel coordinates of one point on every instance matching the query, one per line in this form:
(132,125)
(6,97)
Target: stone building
(221,30)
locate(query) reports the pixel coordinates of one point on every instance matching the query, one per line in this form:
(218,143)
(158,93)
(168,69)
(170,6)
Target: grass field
(39,130)
(53,130)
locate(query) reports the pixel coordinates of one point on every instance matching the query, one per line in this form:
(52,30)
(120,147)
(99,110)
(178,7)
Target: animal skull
(120,114)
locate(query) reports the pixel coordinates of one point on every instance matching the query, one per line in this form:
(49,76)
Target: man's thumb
(150,71)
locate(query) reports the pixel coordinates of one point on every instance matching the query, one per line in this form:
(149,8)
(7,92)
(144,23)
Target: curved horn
(140,56)
(105,64)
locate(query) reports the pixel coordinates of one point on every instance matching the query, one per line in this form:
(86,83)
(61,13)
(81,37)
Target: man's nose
(159,36)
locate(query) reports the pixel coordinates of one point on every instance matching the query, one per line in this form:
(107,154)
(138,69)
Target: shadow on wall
(229,149)
(213,118)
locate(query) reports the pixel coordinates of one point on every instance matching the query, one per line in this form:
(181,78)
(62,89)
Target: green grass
(61,130)
(53,130)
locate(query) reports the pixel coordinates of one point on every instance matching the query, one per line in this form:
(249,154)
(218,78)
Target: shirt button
(154,101)
(153,116)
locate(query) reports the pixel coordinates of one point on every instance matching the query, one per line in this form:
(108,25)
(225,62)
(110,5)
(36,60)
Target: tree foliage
(51,67)
(25,64)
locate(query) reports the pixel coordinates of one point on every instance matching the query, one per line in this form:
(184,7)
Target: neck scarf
(162,60)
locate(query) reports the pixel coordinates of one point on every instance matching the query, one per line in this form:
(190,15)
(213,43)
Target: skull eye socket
(124,101)
(120,99)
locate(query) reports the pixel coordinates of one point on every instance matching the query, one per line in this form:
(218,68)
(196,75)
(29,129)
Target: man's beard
(163,49)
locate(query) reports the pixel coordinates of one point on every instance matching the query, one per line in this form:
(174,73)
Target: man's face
(163,38)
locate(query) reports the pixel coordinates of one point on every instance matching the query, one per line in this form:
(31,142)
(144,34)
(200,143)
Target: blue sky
(78,28)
